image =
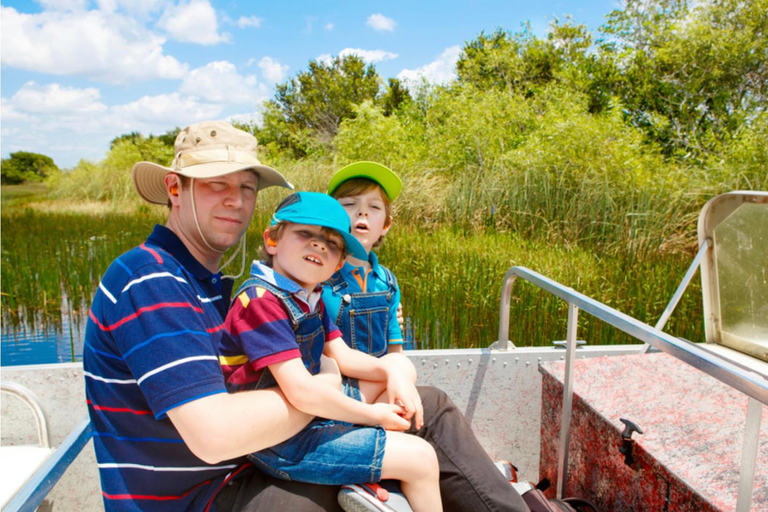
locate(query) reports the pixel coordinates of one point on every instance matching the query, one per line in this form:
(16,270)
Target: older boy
(362,297)
(277,333)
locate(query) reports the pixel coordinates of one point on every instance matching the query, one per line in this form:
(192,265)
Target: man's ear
(270,245)
(172,188)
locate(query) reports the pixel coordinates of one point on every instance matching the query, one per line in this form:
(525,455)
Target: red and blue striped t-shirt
(150,346)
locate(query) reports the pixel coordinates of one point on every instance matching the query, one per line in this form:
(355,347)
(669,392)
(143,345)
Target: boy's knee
(425,454)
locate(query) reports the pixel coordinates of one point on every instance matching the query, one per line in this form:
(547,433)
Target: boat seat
(19,463)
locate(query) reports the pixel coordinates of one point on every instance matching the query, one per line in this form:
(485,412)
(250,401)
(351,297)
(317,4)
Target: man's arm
(225,426)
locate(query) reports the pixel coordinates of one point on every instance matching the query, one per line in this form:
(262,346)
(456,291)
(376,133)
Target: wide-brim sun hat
(318,209)
(384,176)
(206,150)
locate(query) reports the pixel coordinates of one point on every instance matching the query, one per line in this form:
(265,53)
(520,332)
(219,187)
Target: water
(43,343)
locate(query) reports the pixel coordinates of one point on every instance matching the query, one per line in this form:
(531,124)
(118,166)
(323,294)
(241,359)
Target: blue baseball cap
(318,209)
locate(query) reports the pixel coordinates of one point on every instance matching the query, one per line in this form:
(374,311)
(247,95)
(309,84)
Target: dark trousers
(469,481)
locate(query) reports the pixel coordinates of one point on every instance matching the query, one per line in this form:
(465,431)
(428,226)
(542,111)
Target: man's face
(368,216)
(306,254)
(224,207)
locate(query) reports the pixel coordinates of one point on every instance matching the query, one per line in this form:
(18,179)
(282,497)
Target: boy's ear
(387,225)
(269,245)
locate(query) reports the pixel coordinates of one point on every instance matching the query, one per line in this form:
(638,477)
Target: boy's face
(306,254)
(368,216)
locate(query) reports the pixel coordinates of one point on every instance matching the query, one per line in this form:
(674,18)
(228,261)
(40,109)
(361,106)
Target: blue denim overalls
(364,317)
(308,327)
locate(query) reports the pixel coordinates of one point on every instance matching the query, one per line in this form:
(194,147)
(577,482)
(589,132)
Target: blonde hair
(358,186)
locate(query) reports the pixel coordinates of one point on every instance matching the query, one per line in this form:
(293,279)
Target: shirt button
(214,280)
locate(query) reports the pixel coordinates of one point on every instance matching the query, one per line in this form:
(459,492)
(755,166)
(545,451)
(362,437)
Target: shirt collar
(166,239)
(259,269)
(372,259)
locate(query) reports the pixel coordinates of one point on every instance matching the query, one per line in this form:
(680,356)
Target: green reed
(451,284)
(450,276)
(49,258)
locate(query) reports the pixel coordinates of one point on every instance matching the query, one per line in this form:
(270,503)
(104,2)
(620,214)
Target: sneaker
(363,498)
(507,469)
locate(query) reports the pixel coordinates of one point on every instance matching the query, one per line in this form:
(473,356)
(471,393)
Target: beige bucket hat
(205,150)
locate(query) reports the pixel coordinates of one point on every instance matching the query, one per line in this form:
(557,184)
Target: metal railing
(34,491)
(752,384)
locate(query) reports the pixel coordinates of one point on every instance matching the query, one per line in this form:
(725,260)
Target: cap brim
(384,176)
(148,177)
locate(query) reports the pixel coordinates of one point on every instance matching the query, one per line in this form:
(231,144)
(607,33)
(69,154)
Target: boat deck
(689,455)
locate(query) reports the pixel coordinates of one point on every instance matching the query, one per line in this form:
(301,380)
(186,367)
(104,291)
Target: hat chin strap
(240,247)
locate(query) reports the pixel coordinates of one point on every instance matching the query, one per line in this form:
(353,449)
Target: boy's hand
(402,391)
(390,416)
(400,319)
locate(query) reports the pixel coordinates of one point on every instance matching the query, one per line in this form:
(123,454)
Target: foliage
(691,78)
(521,60)
(24,166)
(147,146)
(317,100)
(111,178)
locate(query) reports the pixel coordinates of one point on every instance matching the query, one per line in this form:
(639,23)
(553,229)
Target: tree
(25,166)
(396,96)
(521,60)
(317,100)
(691,77)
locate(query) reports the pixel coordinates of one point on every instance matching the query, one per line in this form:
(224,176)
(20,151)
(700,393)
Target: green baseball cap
(318,209)
(384,176)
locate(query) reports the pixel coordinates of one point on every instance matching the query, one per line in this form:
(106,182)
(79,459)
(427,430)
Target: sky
(77,73)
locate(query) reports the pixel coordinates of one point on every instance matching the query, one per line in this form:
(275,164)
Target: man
(167,435)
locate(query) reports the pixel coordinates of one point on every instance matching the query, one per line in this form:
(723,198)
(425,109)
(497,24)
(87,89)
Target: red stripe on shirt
(215,329)
(140,311)
(151,497)
(153,253)
(276,358)
(116,409)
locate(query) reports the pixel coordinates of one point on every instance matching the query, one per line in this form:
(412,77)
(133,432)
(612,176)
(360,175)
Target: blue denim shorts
(326,452)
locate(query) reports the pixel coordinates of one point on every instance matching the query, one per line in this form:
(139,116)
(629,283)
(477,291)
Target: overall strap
(337,282)
(295,313)
(391,279)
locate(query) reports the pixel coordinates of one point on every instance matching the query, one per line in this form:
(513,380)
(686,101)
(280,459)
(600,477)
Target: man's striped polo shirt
(150,346)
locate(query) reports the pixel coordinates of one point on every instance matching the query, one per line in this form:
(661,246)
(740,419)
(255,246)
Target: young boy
(363,297)
(278,332)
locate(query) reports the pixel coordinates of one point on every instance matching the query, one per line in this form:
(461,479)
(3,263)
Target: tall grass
(450,278)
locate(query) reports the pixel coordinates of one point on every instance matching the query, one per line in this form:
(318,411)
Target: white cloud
(107,47)
(329,26)
(381,23)
(369,56)
(164,110)
(55,99)
(249,21)
(220,83)
(192,21)
(272,70)
(439,71)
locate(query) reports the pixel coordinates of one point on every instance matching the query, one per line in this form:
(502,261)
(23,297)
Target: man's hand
(400,319)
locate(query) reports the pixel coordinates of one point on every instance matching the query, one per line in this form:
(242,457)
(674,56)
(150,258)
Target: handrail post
(680,290)
(749,455)
(565,423)
(503,342)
